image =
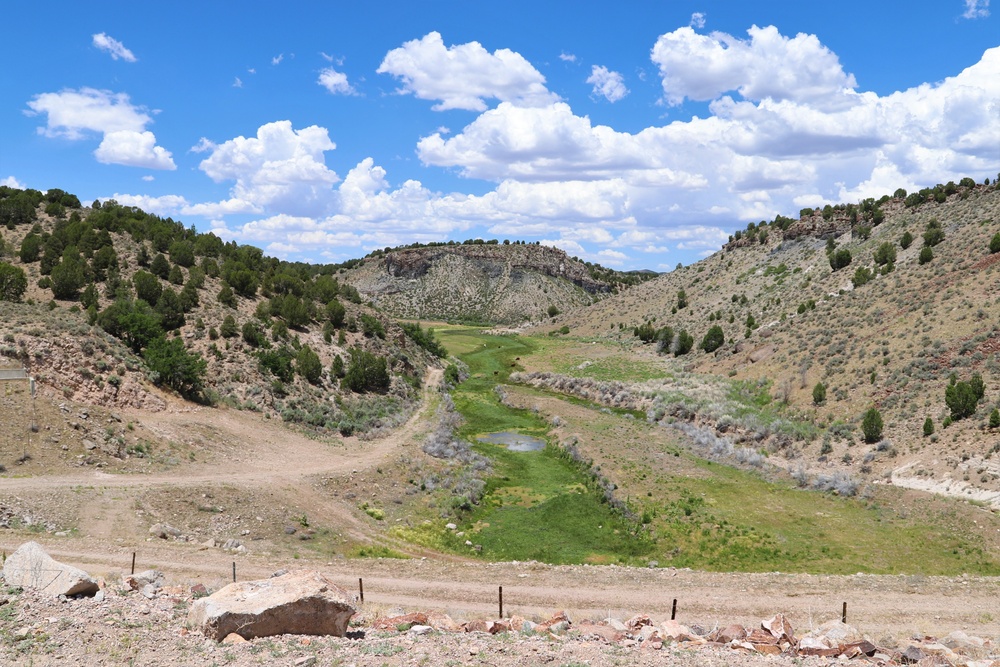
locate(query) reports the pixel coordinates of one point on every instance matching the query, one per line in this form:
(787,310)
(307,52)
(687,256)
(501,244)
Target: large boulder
(31,567)
(301,602)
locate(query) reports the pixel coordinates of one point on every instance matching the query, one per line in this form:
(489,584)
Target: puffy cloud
(748,160)
(567,57)
(114,48)
(222,208)
(133,149)
(12,182)
(976,9)
(546,142)
(681,187)
(465,75)
(238,83)
(166,205)
(277,59)
(697,20)
(607,84)
(335,82)
(703,67)
(73,113)
(280,169)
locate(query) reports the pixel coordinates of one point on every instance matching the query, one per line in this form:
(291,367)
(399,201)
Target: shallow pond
(515,442)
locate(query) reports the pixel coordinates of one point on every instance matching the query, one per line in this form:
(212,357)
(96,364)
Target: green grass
(491,360)
(376,551)
(566,355)
(731,520)
(537,507)
(706,516)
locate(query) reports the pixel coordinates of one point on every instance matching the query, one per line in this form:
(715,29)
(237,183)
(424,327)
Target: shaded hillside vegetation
(483,281)
(102,303)
(875,326)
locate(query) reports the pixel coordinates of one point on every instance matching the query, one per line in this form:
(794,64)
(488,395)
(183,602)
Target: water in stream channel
(514,441)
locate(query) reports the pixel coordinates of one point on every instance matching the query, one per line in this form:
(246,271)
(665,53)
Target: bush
(928,427)
(862,276)
(962,399)
(371,326)
(67,279)
(552,311)
(995,418)
(253,335)
(308,365)
(278,362)
(182,253)
(885,254)
(174,366)
(840,258)
(713,340)
(176,275)
(366,372)
(645,332)
(229,328)
(424,339)
(819,393)
(134,322)
(871,425)
(31,248)
(170,310)
(226,296)
(906,240)
(147,287)
(13,282)
(933,234)
(160,267)
(995,243)
(335,312)
(682,344)
(926,255)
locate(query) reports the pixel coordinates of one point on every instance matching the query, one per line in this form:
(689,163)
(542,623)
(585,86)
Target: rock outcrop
(31,567)
(302,602)
(504,284)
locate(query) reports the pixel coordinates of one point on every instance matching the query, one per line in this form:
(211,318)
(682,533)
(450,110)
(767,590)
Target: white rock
(302,602)
(31,567)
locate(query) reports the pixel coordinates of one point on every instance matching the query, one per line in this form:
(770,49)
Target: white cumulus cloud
(281,169)
(133,149)
(12,182)
(697,20)
(335,82)
(72,114)
(608,84)
(703,67)
(464,76)
(114,48)
(165,205)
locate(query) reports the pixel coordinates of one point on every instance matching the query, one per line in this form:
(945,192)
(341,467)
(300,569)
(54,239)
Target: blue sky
(637,136)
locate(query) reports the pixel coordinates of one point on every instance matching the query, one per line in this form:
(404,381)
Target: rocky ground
(125,628)
(144,620)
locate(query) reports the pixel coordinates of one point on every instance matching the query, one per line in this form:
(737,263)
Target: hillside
(482,282)
(889,335)
(113,308)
